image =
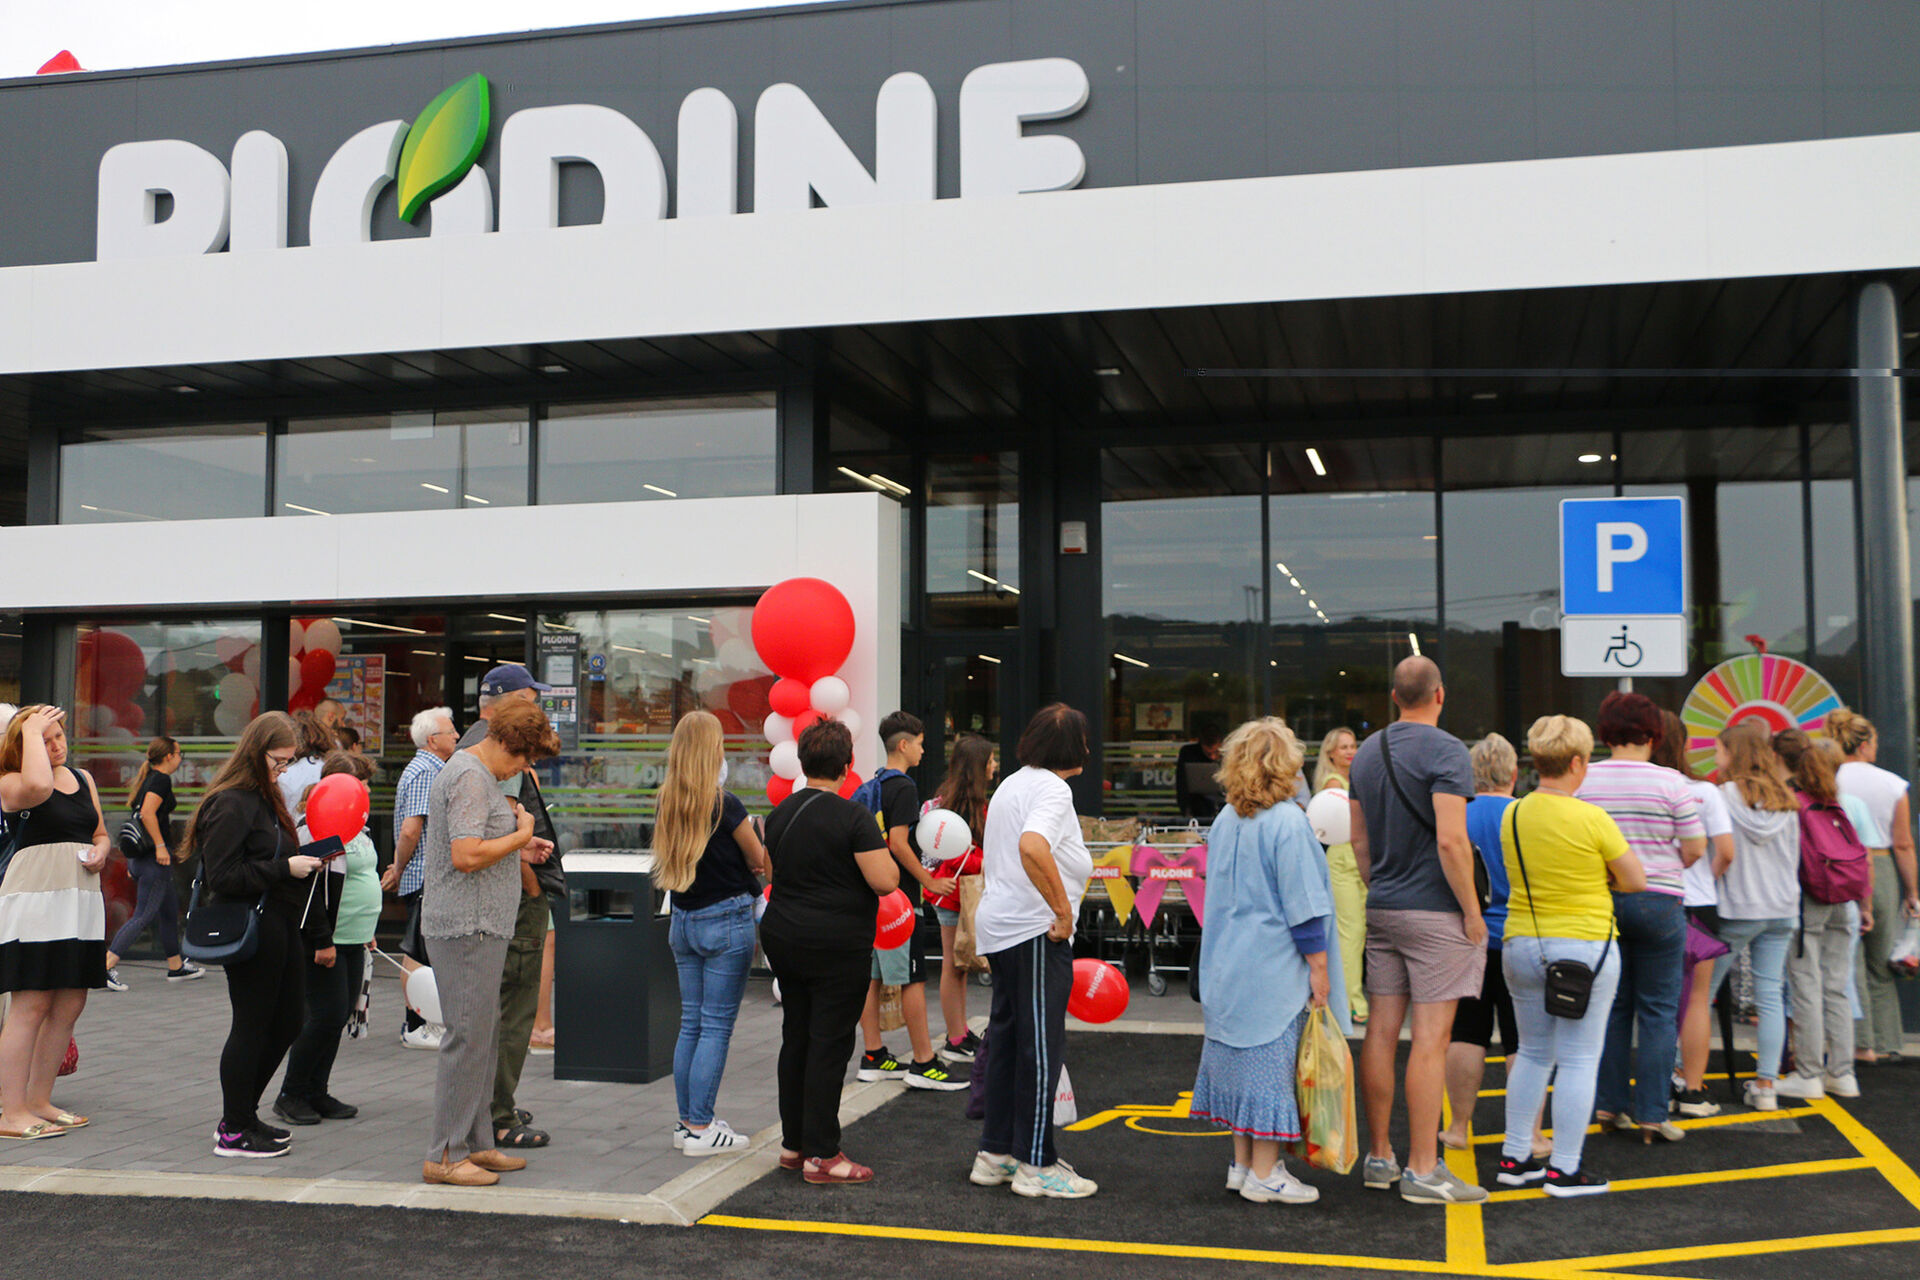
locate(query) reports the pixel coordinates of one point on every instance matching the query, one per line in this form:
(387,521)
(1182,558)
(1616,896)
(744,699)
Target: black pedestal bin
(616,994)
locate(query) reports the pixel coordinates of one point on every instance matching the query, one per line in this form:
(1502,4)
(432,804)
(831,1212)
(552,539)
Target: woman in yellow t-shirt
(1561,855)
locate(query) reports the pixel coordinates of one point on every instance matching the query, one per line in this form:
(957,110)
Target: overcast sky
(110,34)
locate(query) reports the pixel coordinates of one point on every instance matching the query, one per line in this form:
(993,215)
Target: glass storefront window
(10,637)
(973,540)
(1182,585)
(164,473)
(648,450)
(403,462)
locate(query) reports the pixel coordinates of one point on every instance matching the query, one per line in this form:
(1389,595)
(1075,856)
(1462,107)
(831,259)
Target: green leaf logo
(443,143)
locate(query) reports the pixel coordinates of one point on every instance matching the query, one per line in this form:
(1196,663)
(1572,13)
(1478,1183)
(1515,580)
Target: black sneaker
(1520,1173)
(274,1132)
(950,1053)
(187,972)
(1577,1183)
(295,1110)
(331,1108)
(1696,1103)
(878,1064)
(931,1075)
(245,1144)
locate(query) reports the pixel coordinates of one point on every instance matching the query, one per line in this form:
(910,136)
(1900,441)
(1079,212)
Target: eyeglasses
(279,764)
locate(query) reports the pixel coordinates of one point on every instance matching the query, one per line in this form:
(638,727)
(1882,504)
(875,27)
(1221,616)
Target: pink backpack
(1834,866)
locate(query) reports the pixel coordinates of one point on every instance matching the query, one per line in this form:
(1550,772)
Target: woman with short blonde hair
(1495,764)
(1264,959)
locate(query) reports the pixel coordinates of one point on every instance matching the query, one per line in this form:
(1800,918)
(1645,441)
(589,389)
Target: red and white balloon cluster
(803,630)
(313,656)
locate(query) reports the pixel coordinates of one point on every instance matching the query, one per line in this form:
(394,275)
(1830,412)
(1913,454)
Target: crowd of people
(1590,923)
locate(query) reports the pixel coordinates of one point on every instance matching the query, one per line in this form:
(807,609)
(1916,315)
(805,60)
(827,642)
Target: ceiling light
(1414,640)
(507,617)
(436,488)
(361,622)
(1311,605)
(1319,467)
(1486,395)
(426,653)
(975,573)
(312,511)
(472,658)
(366,460)
(702,621)
(554,368)
(1216,675)
(627,648)
(889,486)
(851,474)
(1589,457)
(184,390)
(1121,657)
(1282,568)
(987,657)
(665,493)
(1010,588)
(1106,371)
(485,502)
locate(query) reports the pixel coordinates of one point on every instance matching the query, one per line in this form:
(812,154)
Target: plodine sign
(240,204)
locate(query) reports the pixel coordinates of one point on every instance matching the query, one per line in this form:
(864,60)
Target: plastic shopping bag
(1325,1074)
(1904,959)
(1065,1110)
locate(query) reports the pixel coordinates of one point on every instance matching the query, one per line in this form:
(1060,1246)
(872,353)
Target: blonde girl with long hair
(1877,1035)
(707,855)
(1349,890)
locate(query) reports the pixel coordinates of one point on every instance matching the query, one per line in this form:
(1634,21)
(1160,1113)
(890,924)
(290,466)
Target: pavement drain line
(682,1201)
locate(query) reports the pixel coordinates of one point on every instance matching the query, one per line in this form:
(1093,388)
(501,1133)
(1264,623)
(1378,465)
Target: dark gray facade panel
(1182,89)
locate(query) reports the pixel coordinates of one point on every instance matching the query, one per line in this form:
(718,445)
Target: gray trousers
(467,972)
(1818,961)
(1880,1028)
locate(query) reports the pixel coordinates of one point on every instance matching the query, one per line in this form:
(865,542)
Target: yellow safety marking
(1718,1075)
(1466,1231)
(1141,1248)
(1745,1249)
(1701,1122)
(1868,1144)
(1711,1177)
(1133,1112)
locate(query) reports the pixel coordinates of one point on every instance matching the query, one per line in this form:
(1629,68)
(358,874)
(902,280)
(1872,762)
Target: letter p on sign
(1616,542)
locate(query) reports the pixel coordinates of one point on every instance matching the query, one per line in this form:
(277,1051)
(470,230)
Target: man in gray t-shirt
(1426,941)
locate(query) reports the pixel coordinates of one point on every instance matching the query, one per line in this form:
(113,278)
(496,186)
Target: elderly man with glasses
(436,739)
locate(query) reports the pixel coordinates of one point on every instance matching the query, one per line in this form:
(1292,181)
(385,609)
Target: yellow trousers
(1350,917)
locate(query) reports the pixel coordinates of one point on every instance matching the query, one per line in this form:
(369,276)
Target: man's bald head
(1415,682)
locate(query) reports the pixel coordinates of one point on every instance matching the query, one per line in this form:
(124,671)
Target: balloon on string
(777,728)
(803,628)
(778,789)
(893,924)
(850,785)
(323,635)
(942,835)
(337,806)
(316,669)
(1099,992)
(785,760)
(1331,817)
(423,990)
(829,695)
(788,697)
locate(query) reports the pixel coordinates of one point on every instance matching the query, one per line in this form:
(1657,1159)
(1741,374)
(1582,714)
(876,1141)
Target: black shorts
(1473,1018)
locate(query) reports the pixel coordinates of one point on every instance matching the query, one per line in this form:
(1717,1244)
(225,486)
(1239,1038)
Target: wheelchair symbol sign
(1623,646)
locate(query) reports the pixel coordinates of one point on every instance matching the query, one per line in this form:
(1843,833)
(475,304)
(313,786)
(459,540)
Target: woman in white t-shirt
(1036,868)
(1701,898)
(1877,1037)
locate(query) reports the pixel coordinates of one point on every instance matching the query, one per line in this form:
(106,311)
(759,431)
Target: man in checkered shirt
(433,733)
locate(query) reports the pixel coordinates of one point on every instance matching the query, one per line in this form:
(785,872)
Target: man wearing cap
(520,980)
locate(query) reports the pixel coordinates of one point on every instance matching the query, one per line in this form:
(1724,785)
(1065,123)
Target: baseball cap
(507,677)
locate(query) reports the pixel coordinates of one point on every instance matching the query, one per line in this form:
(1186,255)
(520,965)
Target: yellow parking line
(1867,1143)
(1711,1177)
(1501,1093)
(1744,1249)
(1466,1231)
(1702,1122)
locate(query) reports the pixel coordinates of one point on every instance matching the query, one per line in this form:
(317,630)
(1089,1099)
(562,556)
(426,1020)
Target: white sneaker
(992,1171)
(1798,1086)
(427,1036)
(711,1141)
(1236,1175)
(1277,1186)
(1057,1181)
(680,1134)
(1759,1099)
(1842,1086)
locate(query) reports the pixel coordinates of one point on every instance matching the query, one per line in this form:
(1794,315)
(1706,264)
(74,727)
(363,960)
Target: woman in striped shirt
(1655,809)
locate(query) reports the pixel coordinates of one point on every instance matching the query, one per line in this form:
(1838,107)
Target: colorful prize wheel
(1780,692)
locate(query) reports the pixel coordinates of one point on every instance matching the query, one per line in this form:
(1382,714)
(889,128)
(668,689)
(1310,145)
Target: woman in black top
(151,865)
(53,921)
(249,853)
(707,855)
(830,867)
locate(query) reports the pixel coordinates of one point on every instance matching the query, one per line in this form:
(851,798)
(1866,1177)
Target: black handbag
(220,932)
(135,841)
(1569,987)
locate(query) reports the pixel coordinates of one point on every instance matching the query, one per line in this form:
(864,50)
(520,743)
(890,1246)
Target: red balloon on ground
(789,698)
(1099,991)
(778,789)
(894,924)
(748,698)
(803,628)
(316,671)
(337,806)
(851,785)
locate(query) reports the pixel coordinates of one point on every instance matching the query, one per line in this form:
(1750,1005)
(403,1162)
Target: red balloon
(305,700)
(778,789)
(894,923)
(748,698)
(789,698)
(729,722)
(803,628)
(316,670)
(113,667)
(337,806)
(1099,991)
(128,716)
(805,721)
(851,785)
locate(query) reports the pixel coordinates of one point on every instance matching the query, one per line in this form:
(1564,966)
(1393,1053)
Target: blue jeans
(1770,941)
(1546,1043)
(1653,949)
(713,948)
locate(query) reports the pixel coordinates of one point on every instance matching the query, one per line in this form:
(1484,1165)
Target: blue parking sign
(1623,556)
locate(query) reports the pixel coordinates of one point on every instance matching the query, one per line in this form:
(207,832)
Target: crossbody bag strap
(1393,779)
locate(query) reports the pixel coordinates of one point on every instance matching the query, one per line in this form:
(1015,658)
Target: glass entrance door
(969,684)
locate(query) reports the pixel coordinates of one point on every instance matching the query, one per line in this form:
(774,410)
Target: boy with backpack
(894,801)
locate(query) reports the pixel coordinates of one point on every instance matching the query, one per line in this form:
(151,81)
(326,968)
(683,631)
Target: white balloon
(323,634)
(830,696)
(297,636)
(777,728)
(250,663)
(423,993)
(941,835)
(231,717)
(705,679)
(850,718)
(100,719)
(293,676)
(1330,817)
(785,759)
(737,655)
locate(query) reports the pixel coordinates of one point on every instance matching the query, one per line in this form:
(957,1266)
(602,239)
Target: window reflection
(659,450)
(164,473)
(973,541)
(403,462)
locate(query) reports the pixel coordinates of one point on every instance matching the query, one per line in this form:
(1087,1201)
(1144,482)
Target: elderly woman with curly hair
(1264,958)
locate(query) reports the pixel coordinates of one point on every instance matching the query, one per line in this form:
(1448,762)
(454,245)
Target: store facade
(1186,362)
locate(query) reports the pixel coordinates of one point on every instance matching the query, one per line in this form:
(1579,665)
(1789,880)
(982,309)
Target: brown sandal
(836,1171)
(792,1161)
